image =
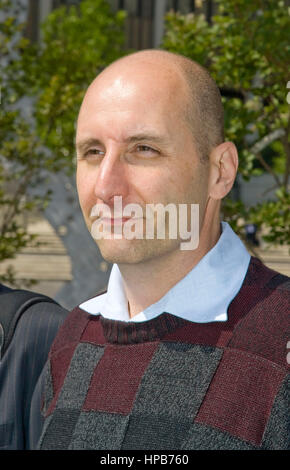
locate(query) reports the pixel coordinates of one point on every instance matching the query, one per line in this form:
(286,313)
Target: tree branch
(257,148)
(267,140)
(286,146)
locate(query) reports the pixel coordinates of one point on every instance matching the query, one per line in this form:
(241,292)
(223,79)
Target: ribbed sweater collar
(120,332)
(167,326)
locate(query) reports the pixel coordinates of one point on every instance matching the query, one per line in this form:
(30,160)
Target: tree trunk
(90,272)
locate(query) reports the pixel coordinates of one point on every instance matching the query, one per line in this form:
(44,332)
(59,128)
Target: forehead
(139,97)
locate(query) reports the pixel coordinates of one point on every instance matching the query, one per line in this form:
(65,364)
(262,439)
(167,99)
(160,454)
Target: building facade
(145,18)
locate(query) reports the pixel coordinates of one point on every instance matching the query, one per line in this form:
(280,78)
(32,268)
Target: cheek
(144,184)
(190,183)
(85,188)
(180,182)
(160,185)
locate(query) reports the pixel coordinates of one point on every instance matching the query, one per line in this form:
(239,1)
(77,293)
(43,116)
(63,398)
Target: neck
(147,282)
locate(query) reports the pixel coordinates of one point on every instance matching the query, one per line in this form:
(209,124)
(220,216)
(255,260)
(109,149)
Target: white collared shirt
(202,296)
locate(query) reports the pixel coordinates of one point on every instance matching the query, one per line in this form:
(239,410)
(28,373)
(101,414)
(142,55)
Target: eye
(94,152)
(145,149)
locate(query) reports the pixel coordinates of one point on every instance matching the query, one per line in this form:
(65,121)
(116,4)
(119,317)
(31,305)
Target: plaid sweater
(173,384)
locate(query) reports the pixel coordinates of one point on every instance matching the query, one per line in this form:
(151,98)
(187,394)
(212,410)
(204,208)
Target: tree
(77,42)
(245,47)
(21,156)
(47,82)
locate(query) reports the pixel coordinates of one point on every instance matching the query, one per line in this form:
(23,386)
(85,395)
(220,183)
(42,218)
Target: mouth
(104,219)
(115,227)
(113,220)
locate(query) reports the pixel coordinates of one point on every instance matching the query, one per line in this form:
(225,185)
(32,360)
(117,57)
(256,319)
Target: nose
(112,177)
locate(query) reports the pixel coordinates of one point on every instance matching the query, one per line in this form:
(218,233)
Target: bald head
(189,87)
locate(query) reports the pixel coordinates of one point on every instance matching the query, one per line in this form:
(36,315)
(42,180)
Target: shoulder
(5,289)
(264,288)
(44,314)
(262,277)
(267,294)
(264,327)
(39,325)
(70,332)
(36,319)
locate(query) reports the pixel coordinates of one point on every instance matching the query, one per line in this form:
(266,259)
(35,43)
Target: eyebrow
(149,137)
(82,145)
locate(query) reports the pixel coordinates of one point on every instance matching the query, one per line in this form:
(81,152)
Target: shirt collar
(202,296)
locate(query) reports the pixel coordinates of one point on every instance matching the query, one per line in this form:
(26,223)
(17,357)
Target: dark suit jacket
(20,369)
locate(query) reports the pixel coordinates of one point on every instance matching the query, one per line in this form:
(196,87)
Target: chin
(135,251)
(122,251)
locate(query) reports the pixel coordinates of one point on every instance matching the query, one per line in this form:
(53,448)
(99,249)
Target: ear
(223,169)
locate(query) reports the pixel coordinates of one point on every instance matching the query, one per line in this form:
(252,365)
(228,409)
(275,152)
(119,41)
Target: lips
(101,213)
(114,220)
(116,228)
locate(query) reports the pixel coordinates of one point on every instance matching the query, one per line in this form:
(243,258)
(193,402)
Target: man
(187,348)
(23,360)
